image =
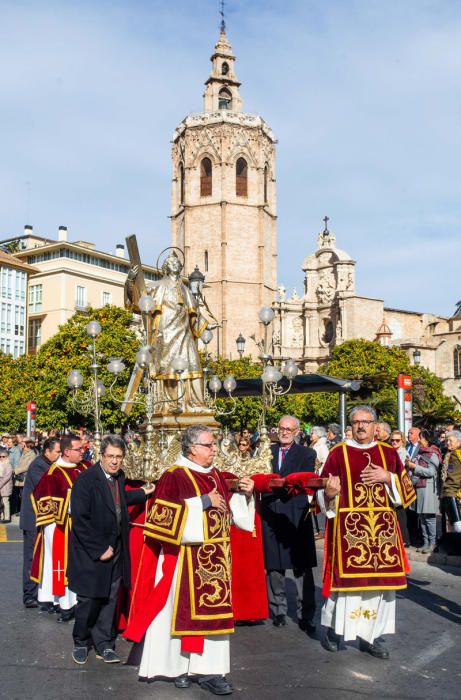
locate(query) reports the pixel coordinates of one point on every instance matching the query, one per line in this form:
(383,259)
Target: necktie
(283,451)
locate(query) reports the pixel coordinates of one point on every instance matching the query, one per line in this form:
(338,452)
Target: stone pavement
(267,662)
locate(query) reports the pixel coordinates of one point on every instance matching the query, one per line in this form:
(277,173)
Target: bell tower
(223,206)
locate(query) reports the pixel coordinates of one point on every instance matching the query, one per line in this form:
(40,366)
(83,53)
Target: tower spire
(223,21)
(222,87)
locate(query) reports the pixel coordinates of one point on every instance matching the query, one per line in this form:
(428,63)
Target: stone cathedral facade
(224,204)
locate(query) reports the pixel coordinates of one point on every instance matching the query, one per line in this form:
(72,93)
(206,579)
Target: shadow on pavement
(418,593)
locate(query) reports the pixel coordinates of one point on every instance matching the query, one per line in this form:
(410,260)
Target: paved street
(267,663)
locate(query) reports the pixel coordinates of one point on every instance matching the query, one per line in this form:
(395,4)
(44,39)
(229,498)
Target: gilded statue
(173,327)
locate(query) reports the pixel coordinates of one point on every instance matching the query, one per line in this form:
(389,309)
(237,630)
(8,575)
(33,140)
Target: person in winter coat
(6,484)
(424,471)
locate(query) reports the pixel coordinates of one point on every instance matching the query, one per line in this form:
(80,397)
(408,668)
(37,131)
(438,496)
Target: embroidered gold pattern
(365,613)
(214,572)
(407,488)
(48,506)
(214,563)
(162,516)
(371,533)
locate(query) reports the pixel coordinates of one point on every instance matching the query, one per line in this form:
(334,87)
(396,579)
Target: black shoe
(377,649)
(30,603)
(80,655)
(46,608)
(330,641)
(183,681)
(218,685)
(66,616)
(306,626)
(279,621)
(108,656)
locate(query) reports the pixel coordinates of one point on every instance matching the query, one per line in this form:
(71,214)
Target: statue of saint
(174,326)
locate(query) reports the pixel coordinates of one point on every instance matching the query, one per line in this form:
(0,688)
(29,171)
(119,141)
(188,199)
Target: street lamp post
(89,402)
(240,342)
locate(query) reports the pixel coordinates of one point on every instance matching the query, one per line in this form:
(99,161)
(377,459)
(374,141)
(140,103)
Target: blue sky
(363,96)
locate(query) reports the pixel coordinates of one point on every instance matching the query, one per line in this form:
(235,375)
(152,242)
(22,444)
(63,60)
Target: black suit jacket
(288,537)
(36,470)
(94,529)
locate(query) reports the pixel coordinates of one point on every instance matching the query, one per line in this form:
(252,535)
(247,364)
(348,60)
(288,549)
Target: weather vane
(221,12)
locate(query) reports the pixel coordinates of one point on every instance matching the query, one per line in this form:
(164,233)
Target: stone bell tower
(224,205)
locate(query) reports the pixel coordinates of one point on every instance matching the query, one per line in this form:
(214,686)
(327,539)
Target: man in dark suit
(99,559)
(413,442)
(413,520)
(27,520)
(288,537)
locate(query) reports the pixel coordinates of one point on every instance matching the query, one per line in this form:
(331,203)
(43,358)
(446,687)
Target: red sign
(404,382)
(32,406)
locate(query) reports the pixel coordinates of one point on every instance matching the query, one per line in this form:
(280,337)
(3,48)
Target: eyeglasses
(76,449)
(113,458)
(282,429)
(3,457)
(362,422)
(204,444)
(396,439)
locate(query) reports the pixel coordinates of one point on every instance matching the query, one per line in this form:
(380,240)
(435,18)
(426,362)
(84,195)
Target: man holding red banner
(51,500)
(182,598)
(365,560)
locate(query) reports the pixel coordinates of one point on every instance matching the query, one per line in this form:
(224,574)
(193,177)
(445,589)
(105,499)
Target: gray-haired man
(365,563)
(182,602)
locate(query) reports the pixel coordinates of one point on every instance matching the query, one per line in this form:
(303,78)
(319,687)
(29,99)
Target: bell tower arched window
(457,362)
(182,187)
(225,99)
(225,68)
(206,178)
(241,178)
(206,261)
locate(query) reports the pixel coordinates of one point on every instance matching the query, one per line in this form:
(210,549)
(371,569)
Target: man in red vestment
(50,501)
(365,561)
(182,600)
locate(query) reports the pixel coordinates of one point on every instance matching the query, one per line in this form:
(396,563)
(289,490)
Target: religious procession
(173,536)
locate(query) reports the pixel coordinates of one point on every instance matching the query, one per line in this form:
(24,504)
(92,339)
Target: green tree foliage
(378,368)
(430,405)
(43,377)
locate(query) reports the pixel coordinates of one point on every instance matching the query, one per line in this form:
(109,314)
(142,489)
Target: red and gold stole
(364,545)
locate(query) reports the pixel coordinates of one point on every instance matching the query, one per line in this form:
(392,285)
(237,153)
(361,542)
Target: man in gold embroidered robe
(365,561)
(51,503)
(174,325)
(182,597)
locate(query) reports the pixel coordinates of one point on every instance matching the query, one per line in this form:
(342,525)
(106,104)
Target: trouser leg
(29,587)
(430,523)
(86,614)
(424,529)
(305,598)
(276,594)
(103,632)
(6,508)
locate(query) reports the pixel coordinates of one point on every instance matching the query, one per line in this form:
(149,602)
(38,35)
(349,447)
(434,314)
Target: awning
(302,384)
